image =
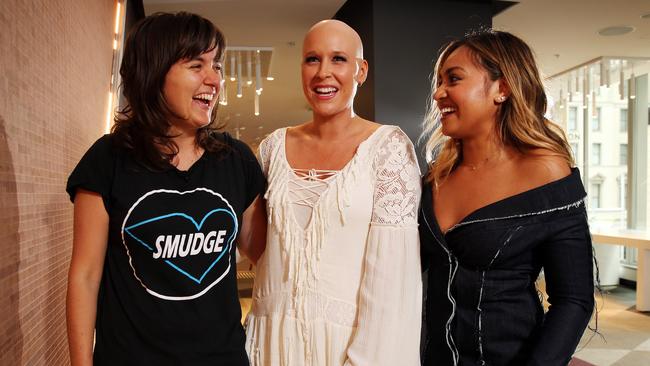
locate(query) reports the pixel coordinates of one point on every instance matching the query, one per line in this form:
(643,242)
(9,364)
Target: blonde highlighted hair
(520,121)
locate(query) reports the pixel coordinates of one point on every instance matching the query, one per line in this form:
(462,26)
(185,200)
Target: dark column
(401,45)
(358,14)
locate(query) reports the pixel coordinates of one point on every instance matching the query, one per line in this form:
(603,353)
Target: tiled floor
(624,333)
(625,339)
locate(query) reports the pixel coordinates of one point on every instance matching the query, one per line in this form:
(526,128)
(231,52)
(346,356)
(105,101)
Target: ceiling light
(257,104)
(621,81)
(269,77)
(586,81)
(232,67)
(258,73)
(255,60)
(239,93)
(645,16)
(616,30)
(223,95)
(249,67)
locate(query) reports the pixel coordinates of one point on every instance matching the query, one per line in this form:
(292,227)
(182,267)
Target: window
(623,120)
(573,119)
(602,140)
(594,195)
(595,120)
(574,150)
(622,154)
(595,153)
(622,190)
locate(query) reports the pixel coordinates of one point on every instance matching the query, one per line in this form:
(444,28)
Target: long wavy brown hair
(520,120)
(151,48)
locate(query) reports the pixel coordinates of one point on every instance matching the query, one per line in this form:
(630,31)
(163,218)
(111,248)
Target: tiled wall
(55,59)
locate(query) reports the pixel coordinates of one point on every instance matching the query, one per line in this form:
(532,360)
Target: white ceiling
(563,33)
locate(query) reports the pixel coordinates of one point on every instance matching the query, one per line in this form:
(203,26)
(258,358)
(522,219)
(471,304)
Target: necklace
(473,167)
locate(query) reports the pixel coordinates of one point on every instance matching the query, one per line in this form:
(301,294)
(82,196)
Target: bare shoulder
(372,125)
(369,127)
(542,166)
(299,132)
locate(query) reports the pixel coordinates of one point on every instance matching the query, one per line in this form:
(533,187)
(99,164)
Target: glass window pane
(573,119)
(595,154)
(594,197)
(623,120)
(595,120)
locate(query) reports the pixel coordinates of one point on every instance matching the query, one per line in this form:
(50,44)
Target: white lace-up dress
(339,282)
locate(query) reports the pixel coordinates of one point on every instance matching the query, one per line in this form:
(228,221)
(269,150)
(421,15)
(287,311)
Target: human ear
(504,91)
(362,73)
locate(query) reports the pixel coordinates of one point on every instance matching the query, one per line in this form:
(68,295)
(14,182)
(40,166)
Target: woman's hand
(252,236)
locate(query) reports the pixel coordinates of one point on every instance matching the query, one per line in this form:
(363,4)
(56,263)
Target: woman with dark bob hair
(159,204)
(502,200)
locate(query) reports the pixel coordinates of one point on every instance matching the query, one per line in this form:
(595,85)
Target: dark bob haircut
(151,48)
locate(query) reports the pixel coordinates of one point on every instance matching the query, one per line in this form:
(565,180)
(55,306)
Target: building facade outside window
(617,130)
(595,153)
(574,150)
(594,195)
(622,190)
(623,120)
(595,120)
(573,119)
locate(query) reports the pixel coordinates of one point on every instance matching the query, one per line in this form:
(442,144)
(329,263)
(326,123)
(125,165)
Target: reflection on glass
(603,107)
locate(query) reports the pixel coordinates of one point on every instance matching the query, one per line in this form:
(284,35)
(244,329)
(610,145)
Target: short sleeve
(264,150)
(397,189)
(94,172)
(255,182)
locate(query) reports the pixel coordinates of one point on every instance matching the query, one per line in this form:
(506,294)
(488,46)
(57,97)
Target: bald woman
(339,282)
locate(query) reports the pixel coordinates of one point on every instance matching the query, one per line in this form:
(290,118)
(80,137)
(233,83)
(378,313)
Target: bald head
(336,35)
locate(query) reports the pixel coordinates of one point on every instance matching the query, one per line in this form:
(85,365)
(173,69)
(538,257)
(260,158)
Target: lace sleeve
(397,187)
(390,296)
(264,153)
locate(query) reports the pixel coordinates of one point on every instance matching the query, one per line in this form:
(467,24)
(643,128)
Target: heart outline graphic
(207,288)
(198,226)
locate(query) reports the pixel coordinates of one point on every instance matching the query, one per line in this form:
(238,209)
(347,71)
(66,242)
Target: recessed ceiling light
(616,30)
(645,16)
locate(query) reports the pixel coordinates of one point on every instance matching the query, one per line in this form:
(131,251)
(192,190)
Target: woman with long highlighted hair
(502,201)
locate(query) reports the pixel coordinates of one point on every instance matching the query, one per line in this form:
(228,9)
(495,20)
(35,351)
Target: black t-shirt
(168,294)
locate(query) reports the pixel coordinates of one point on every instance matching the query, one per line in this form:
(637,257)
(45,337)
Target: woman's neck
(334,126)
(188,150)
(483,151)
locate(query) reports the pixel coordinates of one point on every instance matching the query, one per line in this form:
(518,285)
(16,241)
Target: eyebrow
(452,69)
(335,52)
(195,58)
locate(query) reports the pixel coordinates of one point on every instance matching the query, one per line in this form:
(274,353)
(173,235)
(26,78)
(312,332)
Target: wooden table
(639,239)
